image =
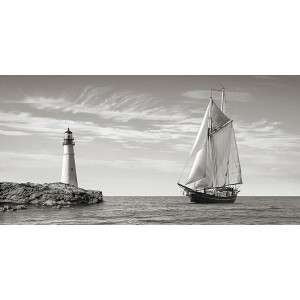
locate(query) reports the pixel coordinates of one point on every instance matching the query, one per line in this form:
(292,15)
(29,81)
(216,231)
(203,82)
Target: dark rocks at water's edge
(14,196)
(12,207)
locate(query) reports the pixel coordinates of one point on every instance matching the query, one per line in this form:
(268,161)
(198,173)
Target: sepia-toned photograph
(149,150)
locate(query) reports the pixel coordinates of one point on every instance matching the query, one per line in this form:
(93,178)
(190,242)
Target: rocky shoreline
(15,196)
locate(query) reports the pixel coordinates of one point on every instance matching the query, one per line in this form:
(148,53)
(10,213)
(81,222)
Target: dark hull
(200,197)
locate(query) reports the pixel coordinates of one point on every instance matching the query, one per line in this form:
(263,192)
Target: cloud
(27,124)
(267,152)
(182,147)
(156,121)
(266,77)
(230,96)
(136,164)
(17,160)
(266,135)
(13,133)
(269,80)
(10,160)
(121,106)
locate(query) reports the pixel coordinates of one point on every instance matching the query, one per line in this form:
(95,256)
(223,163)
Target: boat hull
(199,197)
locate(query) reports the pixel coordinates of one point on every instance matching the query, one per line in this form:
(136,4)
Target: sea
(162,211)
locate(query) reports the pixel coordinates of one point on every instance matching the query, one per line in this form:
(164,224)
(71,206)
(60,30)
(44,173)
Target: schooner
(215,175)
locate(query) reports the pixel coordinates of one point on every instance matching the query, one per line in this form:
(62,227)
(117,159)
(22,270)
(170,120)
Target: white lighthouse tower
(68,168)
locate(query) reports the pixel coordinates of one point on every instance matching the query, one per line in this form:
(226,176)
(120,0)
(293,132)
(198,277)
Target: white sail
(220,145)
(202,134)
(203,183)
(218,118)
(234,175)
(199,167)
(207,181)
(216,163)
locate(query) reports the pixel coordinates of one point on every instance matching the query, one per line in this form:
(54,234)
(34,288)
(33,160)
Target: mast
(222,109)
(209,130)
(223,98)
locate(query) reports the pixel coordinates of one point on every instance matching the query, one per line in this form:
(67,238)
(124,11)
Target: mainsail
(216,162)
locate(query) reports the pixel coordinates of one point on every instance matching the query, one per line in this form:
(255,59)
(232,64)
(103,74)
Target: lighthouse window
(71,169)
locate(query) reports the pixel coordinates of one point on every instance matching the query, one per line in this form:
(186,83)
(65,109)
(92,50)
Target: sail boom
(233,183)
(216,130)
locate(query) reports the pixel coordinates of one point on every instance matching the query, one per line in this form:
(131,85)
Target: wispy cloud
(13,133)
(26,124)
(162,165)
(13,159)
(230,96)
(275,81)
(267,152)
(120,106)
(22,160)
(266,135)
(156,120)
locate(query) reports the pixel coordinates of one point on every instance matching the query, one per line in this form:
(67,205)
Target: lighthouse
(68,168)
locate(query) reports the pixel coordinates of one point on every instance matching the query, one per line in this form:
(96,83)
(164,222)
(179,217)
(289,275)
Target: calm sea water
(164,210)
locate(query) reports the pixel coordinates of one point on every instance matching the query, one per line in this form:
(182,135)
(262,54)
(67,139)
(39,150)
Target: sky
(133,134)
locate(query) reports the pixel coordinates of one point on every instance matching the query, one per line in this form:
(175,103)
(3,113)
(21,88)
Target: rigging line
(232,156)
(183,169)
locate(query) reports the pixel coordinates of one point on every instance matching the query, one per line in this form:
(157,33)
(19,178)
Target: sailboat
(215,175)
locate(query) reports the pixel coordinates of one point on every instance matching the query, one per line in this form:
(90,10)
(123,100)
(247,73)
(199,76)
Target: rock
(18,207)
(49,202)
(50,194)
(12,208)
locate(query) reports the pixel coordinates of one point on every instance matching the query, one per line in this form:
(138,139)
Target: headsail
(202,134)
(198,170)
